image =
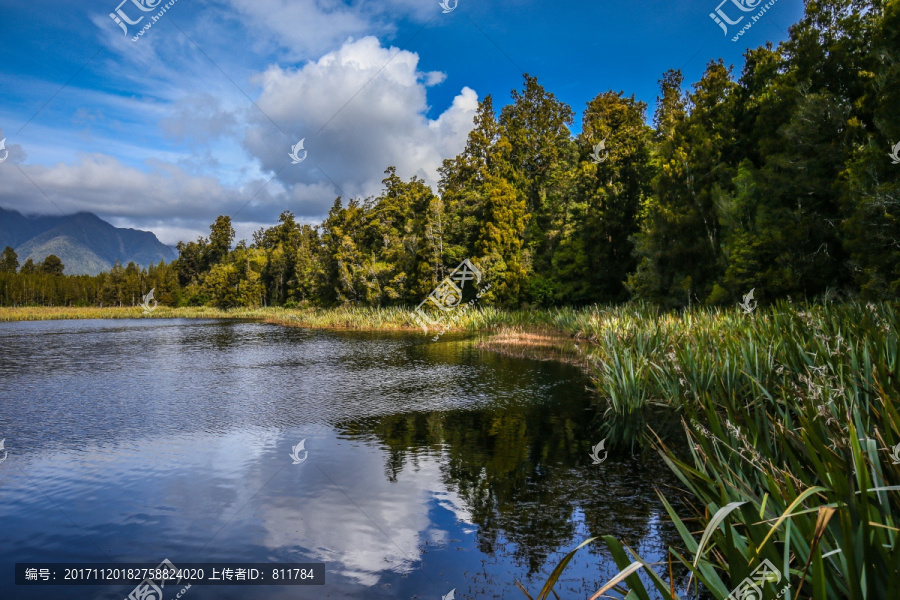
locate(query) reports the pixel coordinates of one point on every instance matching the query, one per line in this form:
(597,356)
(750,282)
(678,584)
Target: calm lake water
(431,466)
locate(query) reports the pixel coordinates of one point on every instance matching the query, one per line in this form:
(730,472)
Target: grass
(48,313)
(559,321)
(791,415)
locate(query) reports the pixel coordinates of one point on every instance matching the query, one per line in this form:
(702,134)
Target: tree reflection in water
(525,473)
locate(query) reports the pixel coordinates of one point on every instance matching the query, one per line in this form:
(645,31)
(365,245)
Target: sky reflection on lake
(429,467)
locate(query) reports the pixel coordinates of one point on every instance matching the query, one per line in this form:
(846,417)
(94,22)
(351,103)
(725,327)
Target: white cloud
(368,104)
(164,199)
(306,28)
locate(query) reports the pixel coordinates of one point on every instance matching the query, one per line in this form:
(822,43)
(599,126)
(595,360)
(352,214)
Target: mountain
(84,242)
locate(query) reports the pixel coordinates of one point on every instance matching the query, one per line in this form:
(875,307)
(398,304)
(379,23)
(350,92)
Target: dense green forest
(777,179)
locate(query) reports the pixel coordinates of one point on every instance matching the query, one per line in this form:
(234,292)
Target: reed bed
(479,319)
(791,417)
(362,318)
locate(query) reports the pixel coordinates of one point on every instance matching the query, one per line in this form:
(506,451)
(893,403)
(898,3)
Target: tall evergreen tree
(870,193)
(596,255)
(679,246)
(28,268)
(221,234)
(500,240)
(541,151)
(52,265)
(306,284)
(347,270)
(9,260)
(461,184)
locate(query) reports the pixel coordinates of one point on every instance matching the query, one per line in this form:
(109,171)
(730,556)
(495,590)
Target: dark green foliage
(537,149)
(595,254)
(680,246)
(28,268)
(52,265)
(9,261)
(121,286)
(779,181)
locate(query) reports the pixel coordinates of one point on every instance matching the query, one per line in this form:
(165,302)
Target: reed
(791,415)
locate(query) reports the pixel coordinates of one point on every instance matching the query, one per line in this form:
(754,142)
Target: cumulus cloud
(360,109)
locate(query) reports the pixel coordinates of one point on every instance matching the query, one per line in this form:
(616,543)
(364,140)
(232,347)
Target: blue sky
(197,117)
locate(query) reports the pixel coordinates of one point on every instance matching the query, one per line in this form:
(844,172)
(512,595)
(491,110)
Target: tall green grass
(790,414)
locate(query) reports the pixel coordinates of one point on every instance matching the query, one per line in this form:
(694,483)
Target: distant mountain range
(84,242)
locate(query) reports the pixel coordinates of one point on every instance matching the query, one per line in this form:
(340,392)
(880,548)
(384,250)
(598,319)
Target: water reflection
(524,473)
(431,466)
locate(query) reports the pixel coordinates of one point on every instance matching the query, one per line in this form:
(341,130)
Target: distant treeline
(45,283)
(779,180)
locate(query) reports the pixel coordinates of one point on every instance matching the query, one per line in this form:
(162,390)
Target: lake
(428,466)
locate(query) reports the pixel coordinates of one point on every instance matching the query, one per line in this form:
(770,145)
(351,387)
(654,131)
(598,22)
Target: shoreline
(540,341)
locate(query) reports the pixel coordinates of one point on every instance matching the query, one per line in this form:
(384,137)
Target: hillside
(84,242)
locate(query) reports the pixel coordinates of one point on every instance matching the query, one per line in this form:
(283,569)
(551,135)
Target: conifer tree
(9,260)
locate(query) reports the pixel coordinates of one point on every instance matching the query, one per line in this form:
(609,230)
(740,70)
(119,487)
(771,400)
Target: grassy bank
(567,321)
(49,313)
(791,414)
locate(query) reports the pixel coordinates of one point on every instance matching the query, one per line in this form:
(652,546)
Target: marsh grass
(542,345)
(790,414)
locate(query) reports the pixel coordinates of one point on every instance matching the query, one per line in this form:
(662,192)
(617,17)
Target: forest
(779,178)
